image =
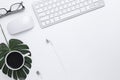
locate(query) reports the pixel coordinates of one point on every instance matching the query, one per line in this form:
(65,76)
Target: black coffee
(14,60)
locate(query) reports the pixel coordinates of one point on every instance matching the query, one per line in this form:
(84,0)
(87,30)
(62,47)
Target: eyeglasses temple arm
(4,34)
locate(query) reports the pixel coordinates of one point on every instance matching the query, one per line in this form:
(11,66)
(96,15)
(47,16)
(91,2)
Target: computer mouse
(20,24)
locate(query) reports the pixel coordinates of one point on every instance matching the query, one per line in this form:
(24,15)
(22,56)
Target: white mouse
(20,25)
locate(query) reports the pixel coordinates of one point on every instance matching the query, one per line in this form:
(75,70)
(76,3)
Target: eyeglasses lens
(2,12)
(16,7)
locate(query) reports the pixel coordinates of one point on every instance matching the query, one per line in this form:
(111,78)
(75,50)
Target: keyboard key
(37,7)
(41,14)
(70,14)
(43,23)
(39,10)
(56,18)
(47,22)
(51,15)
(51,20)
(44,18)
(83,9)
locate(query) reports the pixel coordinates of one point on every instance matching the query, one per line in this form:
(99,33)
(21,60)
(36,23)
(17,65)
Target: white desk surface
(88,45)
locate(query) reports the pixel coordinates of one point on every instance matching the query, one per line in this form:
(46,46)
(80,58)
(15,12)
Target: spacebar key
(69,14)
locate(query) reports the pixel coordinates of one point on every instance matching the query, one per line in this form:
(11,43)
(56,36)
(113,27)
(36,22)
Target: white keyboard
(50,12)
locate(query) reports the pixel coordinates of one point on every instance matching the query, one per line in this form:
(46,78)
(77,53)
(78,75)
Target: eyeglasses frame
(8,12)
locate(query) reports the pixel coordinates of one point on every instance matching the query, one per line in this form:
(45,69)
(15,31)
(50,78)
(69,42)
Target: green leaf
(15,45)
(14,42)
(3,50)
(3,47)
(3,54)
(26,70)
(2,63)
(20,47)
(28,65)
(24,51)
(5,69)
(10,73)
(27,59)
(21,74)
(15,75)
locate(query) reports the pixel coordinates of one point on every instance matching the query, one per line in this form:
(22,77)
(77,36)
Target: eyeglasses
(13,9)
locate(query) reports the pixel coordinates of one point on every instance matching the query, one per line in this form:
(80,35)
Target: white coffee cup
(14,60)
